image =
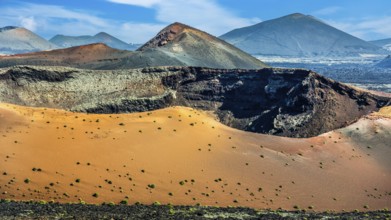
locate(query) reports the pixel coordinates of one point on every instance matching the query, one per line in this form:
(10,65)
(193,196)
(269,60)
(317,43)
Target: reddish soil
(184,157)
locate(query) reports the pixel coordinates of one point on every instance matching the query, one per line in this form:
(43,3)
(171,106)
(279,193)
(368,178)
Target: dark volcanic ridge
(176,45)
(298,35)
(285,102)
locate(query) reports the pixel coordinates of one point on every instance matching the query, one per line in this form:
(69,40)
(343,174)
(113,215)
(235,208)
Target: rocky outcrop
(286,102)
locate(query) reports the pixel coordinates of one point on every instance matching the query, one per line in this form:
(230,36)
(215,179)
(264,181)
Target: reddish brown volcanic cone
(198,48)
(94,56)
(174,32)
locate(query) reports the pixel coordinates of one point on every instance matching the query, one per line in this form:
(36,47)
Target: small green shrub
(124,202)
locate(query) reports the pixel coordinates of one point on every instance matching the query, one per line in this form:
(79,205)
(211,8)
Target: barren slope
(182,156)
(198,48)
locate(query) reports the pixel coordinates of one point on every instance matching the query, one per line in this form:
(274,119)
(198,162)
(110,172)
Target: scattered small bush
(124,202)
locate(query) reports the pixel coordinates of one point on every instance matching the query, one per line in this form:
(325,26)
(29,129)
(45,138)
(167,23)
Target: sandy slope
(189,158)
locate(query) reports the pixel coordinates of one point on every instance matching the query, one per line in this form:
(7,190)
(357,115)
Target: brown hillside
(87,56)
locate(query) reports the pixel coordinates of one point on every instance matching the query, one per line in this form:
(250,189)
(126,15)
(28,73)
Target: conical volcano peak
(198,48)
(296,15)
(102,34)
(298,35)
(15,40)
(168,34)
(177,26)
(300,16)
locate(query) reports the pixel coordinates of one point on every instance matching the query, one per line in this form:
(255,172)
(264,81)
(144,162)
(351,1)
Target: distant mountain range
(294,35)
(15,40)
(298,35)
(385,43)
(63,41)
(175,45)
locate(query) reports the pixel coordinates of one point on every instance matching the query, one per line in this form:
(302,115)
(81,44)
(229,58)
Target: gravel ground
(30,210)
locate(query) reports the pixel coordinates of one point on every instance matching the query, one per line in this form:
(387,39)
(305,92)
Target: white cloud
(203,14)
(366,28)
(141,32)
(327,11)
(142,3)
(51,11)
(29,23)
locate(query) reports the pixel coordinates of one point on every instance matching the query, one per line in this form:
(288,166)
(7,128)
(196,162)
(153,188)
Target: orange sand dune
(183,156)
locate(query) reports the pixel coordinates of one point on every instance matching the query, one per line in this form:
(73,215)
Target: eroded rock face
(286,102)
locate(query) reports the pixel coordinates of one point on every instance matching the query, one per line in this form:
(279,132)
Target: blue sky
(139,20)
